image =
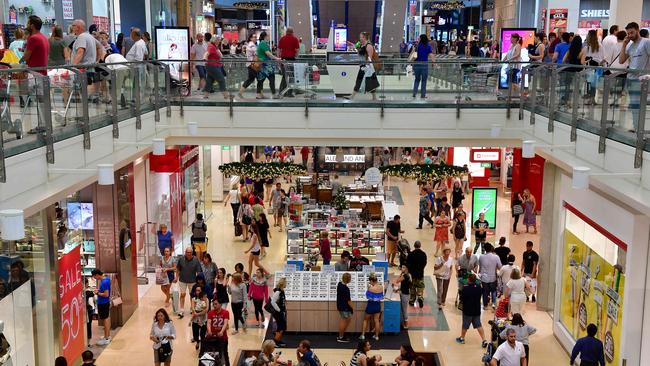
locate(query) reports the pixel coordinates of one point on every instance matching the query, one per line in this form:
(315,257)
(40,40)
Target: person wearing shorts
(470,297)
(344,306)
(103,293)
(187,267)
(393,229)
(199,236)
(374,294)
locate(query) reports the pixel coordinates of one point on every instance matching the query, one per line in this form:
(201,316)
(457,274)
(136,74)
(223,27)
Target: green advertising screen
(484,200)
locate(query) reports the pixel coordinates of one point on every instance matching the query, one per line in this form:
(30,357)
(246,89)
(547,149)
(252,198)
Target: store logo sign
(594,13)
(485,155)
(346,159)
(330,158)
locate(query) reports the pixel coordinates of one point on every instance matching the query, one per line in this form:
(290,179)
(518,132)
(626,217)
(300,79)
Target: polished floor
(131,344)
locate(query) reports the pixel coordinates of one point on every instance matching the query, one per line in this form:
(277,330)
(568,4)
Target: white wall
(16,312)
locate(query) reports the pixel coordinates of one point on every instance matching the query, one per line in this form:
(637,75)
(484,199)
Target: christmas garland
(422,172)
(258,171)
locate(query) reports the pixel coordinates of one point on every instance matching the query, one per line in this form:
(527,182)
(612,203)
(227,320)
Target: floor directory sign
(484,201)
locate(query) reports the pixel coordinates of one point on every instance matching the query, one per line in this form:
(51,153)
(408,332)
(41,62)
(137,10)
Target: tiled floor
(132,344)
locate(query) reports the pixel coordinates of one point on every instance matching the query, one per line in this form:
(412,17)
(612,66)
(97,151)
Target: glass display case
(369,239)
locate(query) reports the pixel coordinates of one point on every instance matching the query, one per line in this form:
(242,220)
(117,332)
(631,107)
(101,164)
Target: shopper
(4,353)
(246,278)
(265,233)
(234,197)
(406,355)
(165,239)
(459,232)
(279,304)
(258,292)
(457,195)
(515,289)
(17,46)
(59,52)
(267,69)
(162,334)
(593,55)
(168,267)
(103,293)
(187,267)
(522,331)
(611,48)
(255,249)
(425,208)
(305,355)
(517,209)
(374,294)
(442,271)
(562,48)
(367,73)
(511,352)
(214,68)
(530,215)
(207,289)
(139,51)
(360,356)
(238,295)
(245,217)
(199,236)
(199,311)
(343,265)
(325,248)
(467,263)
(344,306)
(505,272)
(423,54)
(288,48)
(197,55)
(217,330)
(358,261)
(284,209)
(88,358)
(267,356)
(404,282)
(513,58)
(489,264)
(209,269)
(481,227)
(251,52)
(529,262)
(441,236)
(37,48)
(470,296)
(221,288)
(393,230)
(636,51)
(416,262)
(502,250)
(589,348)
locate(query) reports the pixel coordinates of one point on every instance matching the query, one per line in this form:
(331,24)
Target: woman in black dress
(221,288)
(265,234)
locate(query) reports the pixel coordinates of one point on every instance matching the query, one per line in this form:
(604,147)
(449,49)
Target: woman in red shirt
(214,68)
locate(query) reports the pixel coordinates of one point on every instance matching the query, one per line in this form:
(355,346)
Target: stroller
(496,327)
(403,248)
(211,353)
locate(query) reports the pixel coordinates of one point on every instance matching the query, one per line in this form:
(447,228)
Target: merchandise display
(321,286)
(369,239)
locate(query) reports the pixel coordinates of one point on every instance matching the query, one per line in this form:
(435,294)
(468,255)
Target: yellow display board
(592,292)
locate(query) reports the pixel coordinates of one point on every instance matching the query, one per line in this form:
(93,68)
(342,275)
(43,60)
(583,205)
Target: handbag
(117,300)
(256,65)
(269,308)
(375,61)
(164,351)
(161,276)
(517,210)
(238,229)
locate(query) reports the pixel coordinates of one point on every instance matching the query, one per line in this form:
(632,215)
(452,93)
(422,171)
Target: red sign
(558,21)
(485,155)
(72,305)
(102,23)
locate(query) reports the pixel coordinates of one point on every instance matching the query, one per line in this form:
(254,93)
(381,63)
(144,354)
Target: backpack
(198,229)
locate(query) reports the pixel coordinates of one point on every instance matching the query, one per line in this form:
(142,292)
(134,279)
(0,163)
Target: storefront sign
(429,20)
(598,9)
(68,9)
(559,19)
(484,201)
(329,158)
(597,13)
(253,25)
(485,155)
(72,305)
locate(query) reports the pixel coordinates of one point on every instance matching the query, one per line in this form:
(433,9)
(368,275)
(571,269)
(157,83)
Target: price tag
(612,311)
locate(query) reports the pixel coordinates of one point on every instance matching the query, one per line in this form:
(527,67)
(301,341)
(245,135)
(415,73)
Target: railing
(42,106)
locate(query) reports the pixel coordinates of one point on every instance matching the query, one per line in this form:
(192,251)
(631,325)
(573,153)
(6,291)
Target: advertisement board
(484,200)
(173,43)
(559,20)
(340,39)
(593,289)
(73,306)
(527,36)
(485,155)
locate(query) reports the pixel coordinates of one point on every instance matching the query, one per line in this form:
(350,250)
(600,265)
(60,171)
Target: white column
(624,11)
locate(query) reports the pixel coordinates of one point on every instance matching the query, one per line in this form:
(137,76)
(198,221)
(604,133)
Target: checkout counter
(342,68)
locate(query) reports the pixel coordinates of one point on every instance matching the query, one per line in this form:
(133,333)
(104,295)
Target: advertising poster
(594,289)
(527,36)
(73,306)
(173,43)
(558,21)
(484,200)
(340,39)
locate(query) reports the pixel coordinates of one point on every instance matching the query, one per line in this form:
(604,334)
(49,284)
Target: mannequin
(5,347)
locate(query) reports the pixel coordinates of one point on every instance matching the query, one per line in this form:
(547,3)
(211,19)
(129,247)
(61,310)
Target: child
(404,282)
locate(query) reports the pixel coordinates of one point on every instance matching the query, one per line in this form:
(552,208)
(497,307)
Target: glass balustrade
(40,107)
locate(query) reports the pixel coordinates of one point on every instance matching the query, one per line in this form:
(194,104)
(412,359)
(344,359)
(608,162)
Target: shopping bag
(532,283)
(175,297)
(161,276)
(238,229)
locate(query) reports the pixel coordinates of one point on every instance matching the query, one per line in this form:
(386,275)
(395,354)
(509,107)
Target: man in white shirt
(197,53)
(637,50)
(505,272)
(114,61)
(139,49)
(611,48)
(510,353)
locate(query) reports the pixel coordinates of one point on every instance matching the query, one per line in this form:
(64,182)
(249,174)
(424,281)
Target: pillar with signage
(528,174)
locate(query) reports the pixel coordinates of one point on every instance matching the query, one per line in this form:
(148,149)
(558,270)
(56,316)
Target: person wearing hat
(358,261)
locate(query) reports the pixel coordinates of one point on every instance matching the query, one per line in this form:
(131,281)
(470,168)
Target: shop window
(593,280)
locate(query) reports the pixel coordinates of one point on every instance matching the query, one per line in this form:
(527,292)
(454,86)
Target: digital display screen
(484,200)
(527,36)
(80,216)
(340,39)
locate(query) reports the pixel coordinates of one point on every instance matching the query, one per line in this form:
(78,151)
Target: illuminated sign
(346,159)
(485,156)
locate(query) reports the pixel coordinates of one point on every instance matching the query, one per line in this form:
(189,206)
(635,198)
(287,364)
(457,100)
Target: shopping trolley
(23,84)
(482,78)
(6,123)
(300,77)
(63,81)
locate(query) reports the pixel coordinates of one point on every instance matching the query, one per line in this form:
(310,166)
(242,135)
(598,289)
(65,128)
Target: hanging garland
(258,171)
(423,172)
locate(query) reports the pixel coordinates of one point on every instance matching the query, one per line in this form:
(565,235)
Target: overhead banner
(558,21)
(484,201)
(72,305)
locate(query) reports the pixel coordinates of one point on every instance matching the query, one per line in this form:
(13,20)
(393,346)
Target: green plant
(339,202)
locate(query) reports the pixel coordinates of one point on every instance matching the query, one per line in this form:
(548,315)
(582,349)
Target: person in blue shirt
(424,53)
(305,355)
(590,349)
(562,48)
(103,304)
(165,239)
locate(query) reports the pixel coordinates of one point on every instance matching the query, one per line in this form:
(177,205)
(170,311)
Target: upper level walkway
(72,119)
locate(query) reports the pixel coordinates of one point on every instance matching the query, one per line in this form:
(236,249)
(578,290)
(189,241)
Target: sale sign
(72,305)
(558,22)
